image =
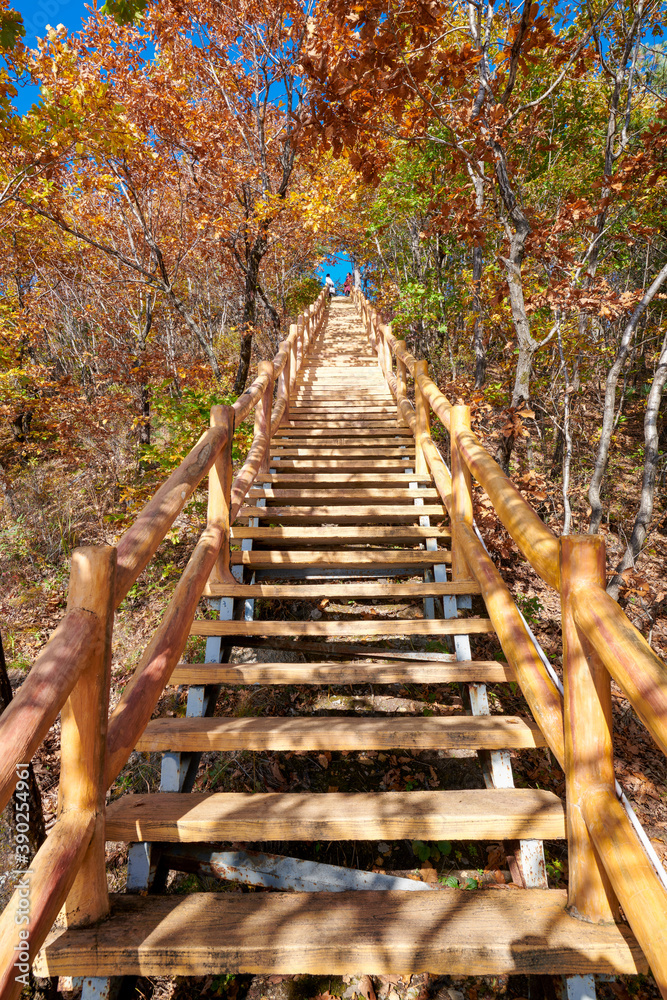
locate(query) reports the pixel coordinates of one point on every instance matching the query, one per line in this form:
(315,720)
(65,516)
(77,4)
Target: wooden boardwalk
(342,559)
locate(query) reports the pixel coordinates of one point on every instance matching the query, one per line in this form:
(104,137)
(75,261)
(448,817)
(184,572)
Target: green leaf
(11,28)
(124,11)
(421,850)
(445,848)
(450,881)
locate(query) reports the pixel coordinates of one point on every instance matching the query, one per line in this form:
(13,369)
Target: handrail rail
(599,642)
(35,707)
(69,673)
(622,648)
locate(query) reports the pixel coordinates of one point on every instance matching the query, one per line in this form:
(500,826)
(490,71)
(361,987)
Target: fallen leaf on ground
(366,988)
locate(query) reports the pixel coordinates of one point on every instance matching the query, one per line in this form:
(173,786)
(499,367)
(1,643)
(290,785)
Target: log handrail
(71,673)
(608,863)
(634,666)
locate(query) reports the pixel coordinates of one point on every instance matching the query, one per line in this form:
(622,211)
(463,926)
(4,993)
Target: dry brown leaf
(366,989)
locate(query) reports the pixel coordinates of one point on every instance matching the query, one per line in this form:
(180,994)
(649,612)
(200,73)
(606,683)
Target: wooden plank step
(348,426)
(344,515)
(340,380)
(344,396)
(393,626)
(324,451)
(329,432)
(366,464)
(474,814)
(312,497)
(352,672)
(355,533)
(343,442)
(363,480)
(326,410)
(452,932)
(338,557)
(317,423)
(355,588)
(328,404)
(483,732)
(334,375)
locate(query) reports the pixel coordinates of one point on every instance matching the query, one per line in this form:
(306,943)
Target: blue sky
(337,267)
(36,15)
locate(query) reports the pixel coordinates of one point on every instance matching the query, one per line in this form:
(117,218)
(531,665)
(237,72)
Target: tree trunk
(20,426)
(651,455)
(145,426)
(254,259)
(567,453)
(478,328)
(194,328)
(477,269)
(609,408)
(557,458)
(526,343)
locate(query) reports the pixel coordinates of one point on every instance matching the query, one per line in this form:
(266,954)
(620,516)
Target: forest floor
(52,506)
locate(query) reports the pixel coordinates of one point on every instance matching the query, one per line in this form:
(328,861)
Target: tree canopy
(497,173)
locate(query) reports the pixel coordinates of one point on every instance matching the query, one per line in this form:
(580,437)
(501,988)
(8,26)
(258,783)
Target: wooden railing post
(589,761)
(307,332)
(84,720)
(401,378)
(263,413)
(461,491)
(219,493)
(370,331)
(378,341)
(300,348)
(285,379)
(312,321)
(293,355)
(423,423)
(388,362)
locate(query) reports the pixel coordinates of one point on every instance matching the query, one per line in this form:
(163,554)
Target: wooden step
(355,588)
(332,432)
(326,411)
(323,451)
(341,557)
(316,422)
(362,480)
(311,497)
(325,396)
(334,407)
(401,627)
(367,464)
(356,533)
(343,442)
(490,732)
(345,515)
(352,672)
(383,426)
(474,814)
(454,932)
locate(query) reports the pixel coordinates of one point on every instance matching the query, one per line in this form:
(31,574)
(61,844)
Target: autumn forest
(497,174)
(493,175)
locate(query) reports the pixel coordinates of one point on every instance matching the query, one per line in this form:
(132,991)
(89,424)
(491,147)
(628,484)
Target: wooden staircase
(342,513)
